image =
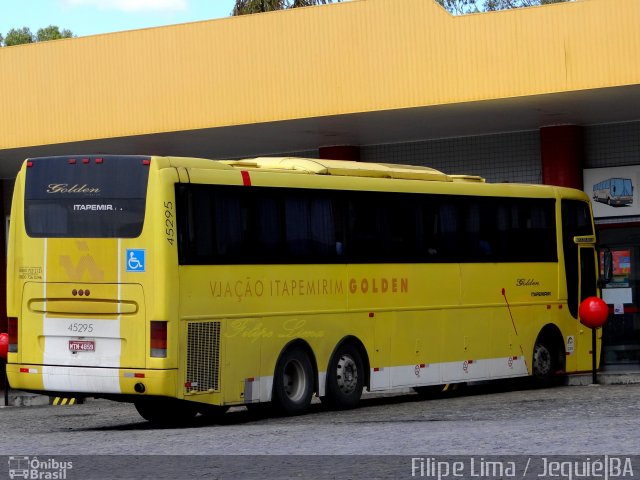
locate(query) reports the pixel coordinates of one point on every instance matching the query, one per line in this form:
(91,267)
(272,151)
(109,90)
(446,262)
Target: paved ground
(376,440)
(565,420)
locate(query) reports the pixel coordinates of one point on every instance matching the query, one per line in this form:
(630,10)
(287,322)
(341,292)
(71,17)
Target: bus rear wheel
(345,378)
(293,382)
(166,411)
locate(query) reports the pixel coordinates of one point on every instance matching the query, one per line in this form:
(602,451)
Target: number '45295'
(169,222)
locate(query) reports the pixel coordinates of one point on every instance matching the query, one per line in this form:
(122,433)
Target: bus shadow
(264,412)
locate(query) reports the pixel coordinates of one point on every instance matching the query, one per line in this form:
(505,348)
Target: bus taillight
(158,339)
(12,323)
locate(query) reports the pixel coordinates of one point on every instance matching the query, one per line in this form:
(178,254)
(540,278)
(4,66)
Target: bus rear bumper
(92,381)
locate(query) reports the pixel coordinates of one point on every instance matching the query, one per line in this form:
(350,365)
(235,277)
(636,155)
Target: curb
(604,378)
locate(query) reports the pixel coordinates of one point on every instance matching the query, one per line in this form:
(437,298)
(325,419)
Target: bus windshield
(621,186)
(86,197)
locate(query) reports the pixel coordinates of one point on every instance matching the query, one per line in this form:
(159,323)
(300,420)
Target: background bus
(616,192)
(190,285)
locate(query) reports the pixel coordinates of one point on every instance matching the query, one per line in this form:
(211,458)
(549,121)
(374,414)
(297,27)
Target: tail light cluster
(13,334)
(158,339)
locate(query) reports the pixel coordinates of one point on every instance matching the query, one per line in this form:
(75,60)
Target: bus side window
(310,227)
(268,222)
(448,231)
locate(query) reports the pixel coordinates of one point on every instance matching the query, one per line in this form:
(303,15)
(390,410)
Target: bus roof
(349,168)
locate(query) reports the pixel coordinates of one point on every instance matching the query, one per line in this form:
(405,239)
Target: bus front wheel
(293,382)
(544,363)
(345,378)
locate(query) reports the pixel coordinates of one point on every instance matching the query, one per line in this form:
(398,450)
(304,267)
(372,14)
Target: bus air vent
(203,356)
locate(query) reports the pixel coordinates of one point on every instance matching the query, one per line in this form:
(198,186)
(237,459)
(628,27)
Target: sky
(91,17)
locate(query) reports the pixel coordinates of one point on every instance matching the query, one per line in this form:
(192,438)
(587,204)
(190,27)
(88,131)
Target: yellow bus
(190,285)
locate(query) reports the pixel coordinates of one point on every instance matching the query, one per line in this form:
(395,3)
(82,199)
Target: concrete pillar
(562,152)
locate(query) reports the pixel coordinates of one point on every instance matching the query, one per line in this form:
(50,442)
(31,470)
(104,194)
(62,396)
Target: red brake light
(85,161)
(12,323)
(29,164)
(72,161)
(99,160)
(146,161)
(158,339)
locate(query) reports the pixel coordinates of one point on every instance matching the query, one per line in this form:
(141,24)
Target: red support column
(561,149)
(340,152)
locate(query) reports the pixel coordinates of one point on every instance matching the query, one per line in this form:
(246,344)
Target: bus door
(579,253)
(587,274)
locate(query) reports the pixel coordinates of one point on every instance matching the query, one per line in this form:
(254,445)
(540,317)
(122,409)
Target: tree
(19,36)
(459,7)
(52,32)
(245,7)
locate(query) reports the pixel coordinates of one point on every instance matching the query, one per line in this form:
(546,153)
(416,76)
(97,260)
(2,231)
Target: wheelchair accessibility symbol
(135,260)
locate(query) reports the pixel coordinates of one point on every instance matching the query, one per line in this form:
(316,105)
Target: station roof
(356,73)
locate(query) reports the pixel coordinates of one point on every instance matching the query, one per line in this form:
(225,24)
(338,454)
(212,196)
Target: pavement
(18,398)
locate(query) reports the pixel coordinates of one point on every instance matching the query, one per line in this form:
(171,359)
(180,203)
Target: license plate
(82,345)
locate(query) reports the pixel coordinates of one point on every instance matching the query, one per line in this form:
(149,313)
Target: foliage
(245,7)
(20,36)
(52,32)
(460,7)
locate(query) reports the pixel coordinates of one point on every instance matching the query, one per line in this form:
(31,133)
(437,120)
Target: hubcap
(542,360)
(347,374)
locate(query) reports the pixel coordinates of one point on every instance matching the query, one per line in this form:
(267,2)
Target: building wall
(509,157)
(343,58)
(612,145)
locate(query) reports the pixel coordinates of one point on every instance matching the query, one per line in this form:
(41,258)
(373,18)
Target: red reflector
(146,162)
(12,327)
(72,161)
(376,369)
(246,179)
(99,160)
(29,164)
(371,314)
(24,370)
(158,339)
(85,161)
(138,375)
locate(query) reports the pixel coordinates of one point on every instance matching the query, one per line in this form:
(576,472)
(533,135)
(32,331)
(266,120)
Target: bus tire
(166,411)
(545,363)
(293,382)
(345,378)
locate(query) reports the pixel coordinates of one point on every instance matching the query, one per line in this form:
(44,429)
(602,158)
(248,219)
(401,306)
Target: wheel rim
(347,374)
(542,360)
(294,381)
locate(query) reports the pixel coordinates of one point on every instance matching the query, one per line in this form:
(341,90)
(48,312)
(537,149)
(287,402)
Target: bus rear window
(86,197)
